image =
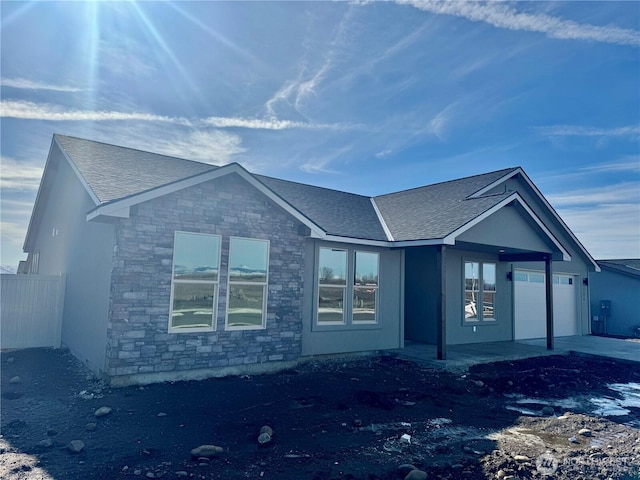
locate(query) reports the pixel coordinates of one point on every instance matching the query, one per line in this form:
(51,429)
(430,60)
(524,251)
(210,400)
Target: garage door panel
(530,305)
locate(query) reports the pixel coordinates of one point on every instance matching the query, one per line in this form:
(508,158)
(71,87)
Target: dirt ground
(564,417)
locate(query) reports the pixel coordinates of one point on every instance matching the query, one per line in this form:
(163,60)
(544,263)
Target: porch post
(549,292)
(441,306)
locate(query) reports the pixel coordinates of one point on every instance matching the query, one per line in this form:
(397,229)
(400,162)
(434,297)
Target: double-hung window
(365,287)
(248,278)
(332,286)
(342,301)
(479,291)
(194,285)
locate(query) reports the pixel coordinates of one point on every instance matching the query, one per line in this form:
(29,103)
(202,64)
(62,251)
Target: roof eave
(121,208)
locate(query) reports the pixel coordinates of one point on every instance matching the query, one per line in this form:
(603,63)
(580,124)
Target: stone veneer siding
(138,340)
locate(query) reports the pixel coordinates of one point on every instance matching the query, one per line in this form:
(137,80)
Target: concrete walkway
(461,357)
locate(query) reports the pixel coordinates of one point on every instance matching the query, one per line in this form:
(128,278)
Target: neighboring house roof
(117,177)
(627,266)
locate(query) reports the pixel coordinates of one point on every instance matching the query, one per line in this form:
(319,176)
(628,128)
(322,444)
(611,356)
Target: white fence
(31,309)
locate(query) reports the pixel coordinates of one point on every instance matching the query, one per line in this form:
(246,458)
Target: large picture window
(248,278)
(479,291)
(365,287)
(194,286)
(332,285)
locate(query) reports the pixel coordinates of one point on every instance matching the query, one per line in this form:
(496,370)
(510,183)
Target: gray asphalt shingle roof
(430,212)
(337,213)
(113,172)
(434,211)
(630,266)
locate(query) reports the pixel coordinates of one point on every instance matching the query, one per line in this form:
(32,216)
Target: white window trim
(214,311)
(265,289)
(480,319)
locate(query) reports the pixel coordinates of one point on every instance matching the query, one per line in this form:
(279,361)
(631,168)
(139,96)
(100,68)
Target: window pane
(245,308)
(366,268)
(489,277)
(195,257)
(364,304)
(332,267)
(471,275)
(470,310)
(520,277)
(248,260)
(536,278)
(331,305)
(192,305)
(488,305)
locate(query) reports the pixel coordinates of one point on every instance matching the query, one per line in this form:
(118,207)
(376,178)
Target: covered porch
(461,357)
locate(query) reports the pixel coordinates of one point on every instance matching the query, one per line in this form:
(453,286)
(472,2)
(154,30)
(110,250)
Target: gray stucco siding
(139,342)
(386,333)
(82,251)
(421,298)
(622,292)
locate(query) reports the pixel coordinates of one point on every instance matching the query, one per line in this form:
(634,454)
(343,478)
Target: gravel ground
(378,417)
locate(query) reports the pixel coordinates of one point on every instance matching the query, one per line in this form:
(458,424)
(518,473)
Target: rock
(11,360)
(585,432)
(406,438)
(573,440)
(264,438)
(137,472)
(479,383)
(206,451)
(161,414)
(405,469)
(266,429)
(15,379)
(75,446)
(52,432)
(102,411)
(90,427)
(501,474)
(181,473)
(416,475)
(547,410)
(521,458)
(46,443)
(150,475)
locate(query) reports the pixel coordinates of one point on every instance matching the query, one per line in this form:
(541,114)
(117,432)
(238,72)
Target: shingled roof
(629,266)
(434,211)
(113,173)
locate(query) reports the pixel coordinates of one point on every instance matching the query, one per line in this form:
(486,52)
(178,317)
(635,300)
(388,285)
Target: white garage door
(530,305)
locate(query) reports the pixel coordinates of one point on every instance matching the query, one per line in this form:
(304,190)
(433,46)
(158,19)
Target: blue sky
(366,97)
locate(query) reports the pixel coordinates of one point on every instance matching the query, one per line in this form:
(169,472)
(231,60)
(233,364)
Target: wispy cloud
(270,124)
(504,16)
(39,111)
(606,230)
(621,193)
(16,175)
(589,131)
(25,84)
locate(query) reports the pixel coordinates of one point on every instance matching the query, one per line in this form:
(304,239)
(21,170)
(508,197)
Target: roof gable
(435,211)
(117,178)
